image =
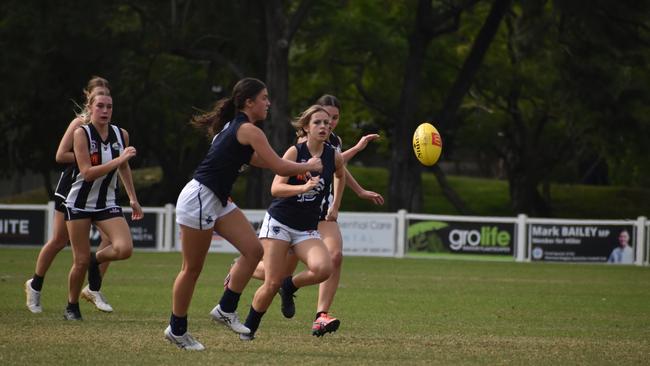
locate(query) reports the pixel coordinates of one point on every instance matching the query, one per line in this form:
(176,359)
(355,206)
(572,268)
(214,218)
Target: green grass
(408,312)
(485,197)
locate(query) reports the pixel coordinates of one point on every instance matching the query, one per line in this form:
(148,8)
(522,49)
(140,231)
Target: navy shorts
(59,204)
(105,214)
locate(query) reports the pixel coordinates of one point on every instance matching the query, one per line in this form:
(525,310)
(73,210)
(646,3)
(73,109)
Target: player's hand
(332,214)
(363,142)
(137,213)
(311,183)
(376,198)
(128,153)
(314,165)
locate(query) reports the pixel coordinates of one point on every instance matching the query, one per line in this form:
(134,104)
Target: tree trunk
(446,119)
(405,186)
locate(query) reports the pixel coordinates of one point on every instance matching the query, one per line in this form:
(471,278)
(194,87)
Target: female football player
(101,149)
(291,222)
(204,205)
(59,239)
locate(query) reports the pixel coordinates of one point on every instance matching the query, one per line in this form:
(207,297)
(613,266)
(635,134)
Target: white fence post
(168,242)
(401,234)
(521,239)
(640,240)
(50,221)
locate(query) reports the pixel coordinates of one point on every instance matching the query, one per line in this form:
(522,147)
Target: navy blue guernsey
(220,167)
(301,212)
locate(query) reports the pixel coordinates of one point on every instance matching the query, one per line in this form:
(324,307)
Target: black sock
(288,286)
(73,307)
(37,282)
(229,300)
(94,277)
(318,314)
(253,320)
(178,324)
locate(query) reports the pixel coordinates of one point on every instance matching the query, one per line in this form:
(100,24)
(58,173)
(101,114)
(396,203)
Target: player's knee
(191,272)
(58,243)
(323,271)
(81,264)
(273,285)
(123,252)
(337,258)
(254,253)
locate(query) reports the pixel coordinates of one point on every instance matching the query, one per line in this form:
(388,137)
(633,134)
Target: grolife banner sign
(592,243)
(452,236)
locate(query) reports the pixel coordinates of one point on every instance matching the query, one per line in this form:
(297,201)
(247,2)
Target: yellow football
(427,144)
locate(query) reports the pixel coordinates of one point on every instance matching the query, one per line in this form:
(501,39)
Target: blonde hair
(303,119)
(90,98)
(96,82)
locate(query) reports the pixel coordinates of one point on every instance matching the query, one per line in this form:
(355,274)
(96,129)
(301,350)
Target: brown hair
(224,109)
(93,83)
(329,100)
(303,120)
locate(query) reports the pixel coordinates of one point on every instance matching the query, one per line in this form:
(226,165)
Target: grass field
(393,311)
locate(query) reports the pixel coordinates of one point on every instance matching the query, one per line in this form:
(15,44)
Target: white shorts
(198,207)
(273,229)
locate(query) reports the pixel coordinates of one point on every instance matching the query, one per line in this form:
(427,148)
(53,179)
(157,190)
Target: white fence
(395,235)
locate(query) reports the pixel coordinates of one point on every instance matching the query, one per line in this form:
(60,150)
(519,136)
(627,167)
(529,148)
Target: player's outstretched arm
(375,197)
(354,150)
(265,156)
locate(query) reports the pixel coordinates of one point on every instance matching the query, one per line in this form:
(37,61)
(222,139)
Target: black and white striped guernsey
(100,193)
(224,160)
(334,141)
(65,181)
(301,212)
(329,199)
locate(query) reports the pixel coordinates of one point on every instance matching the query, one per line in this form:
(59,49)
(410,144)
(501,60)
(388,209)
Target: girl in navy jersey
(329,230)
(291,221)
(100,149)
(59,239)
(204,205)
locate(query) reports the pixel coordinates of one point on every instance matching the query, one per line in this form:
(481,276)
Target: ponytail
(225,109)
(213,121)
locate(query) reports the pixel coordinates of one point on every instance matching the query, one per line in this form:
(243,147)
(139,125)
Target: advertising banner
(368,235)
(363,235)
(582,243)
(443,236)
(22,227)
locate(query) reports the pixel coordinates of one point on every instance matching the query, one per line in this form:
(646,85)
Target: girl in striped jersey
(291,222)
(59,239)
(204,204)
(100,149)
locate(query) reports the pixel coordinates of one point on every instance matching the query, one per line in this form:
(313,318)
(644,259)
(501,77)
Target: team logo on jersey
(95,158)
(116,146)
(313,193)
(93,147)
